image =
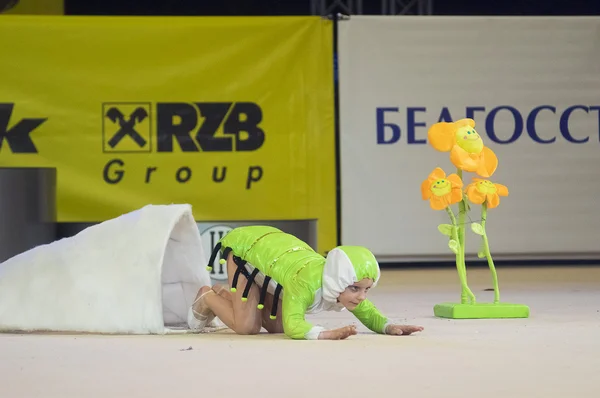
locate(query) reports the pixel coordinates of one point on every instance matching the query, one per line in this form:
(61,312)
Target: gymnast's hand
(338,334)
(405,330)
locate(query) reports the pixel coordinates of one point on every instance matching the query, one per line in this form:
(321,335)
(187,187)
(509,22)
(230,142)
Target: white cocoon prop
(134,274)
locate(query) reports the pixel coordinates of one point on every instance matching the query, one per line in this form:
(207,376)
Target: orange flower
(480,191)
(441,191)
(466,148)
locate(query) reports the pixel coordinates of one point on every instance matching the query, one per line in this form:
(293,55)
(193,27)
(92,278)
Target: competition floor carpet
(554,353)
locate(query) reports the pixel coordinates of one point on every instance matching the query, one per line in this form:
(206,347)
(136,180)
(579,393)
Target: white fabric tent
(135,274)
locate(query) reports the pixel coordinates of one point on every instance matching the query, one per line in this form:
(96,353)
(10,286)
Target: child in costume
(285,279)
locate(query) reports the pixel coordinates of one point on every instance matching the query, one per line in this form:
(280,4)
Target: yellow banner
(233,115)
(43,7)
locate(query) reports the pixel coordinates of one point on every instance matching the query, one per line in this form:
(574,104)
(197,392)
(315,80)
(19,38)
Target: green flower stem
(488,255)
(466,292)
(461,275)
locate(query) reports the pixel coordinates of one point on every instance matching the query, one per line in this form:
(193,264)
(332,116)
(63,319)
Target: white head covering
(346,265)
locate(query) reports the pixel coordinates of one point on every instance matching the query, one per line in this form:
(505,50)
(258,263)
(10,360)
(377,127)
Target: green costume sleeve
(369,315)
(294,323)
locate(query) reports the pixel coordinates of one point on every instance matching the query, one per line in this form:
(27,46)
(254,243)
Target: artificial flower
(480,191)
(441,191)
(467,151)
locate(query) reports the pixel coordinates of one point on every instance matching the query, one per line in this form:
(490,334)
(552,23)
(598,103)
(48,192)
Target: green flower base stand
(480,311)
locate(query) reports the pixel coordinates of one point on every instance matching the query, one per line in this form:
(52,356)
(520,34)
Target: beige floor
(554,353)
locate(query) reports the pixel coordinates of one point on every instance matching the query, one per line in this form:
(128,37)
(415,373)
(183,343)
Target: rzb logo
(194,127)
(210,237)
(18,136)
(127,127)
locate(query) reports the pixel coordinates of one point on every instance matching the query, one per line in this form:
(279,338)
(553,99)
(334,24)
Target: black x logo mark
(127,125)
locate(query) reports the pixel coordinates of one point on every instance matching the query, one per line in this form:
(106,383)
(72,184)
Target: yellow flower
(466,148)
(480,191)
(441,191)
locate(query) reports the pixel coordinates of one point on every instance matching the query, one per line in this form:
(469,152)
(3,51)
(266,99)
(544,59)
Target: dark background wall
(303,7)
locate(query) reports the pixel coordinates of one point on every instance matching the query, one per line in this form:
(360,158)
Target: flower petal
(493,200)
(455,180)
(465,122)
(474,195)
(441,136)
(470,186)
(437,174)
(438,203)
(463,160)
(426,189)
(488,163)
(502,190)
(456,196)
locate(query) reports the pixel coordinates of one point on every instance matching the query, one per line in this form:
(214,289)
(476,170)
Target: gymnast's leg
(243,317)
(271,325)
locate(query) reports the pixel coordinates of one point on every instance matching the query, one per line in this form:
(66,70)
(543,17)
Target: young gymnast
(285,279)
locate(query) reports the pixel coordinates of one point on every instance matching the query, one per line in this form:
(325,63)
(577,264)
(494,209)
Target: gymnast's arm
(371,317)
(296,327)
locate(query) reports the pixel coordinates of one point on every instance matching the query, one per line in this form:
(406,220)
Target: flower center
(486,187)
(468,139)
(441,187)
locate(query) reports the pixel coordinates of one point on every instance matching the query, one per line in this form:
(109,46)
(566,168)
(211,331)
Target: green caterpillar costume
(307,282)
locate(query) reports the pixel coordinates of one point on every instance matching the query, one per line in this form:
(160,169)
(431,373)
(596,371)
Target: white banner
(532,85)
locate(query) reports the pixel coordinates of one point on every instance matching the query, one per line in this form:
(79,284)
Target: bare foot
(199,314)
(201,310)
